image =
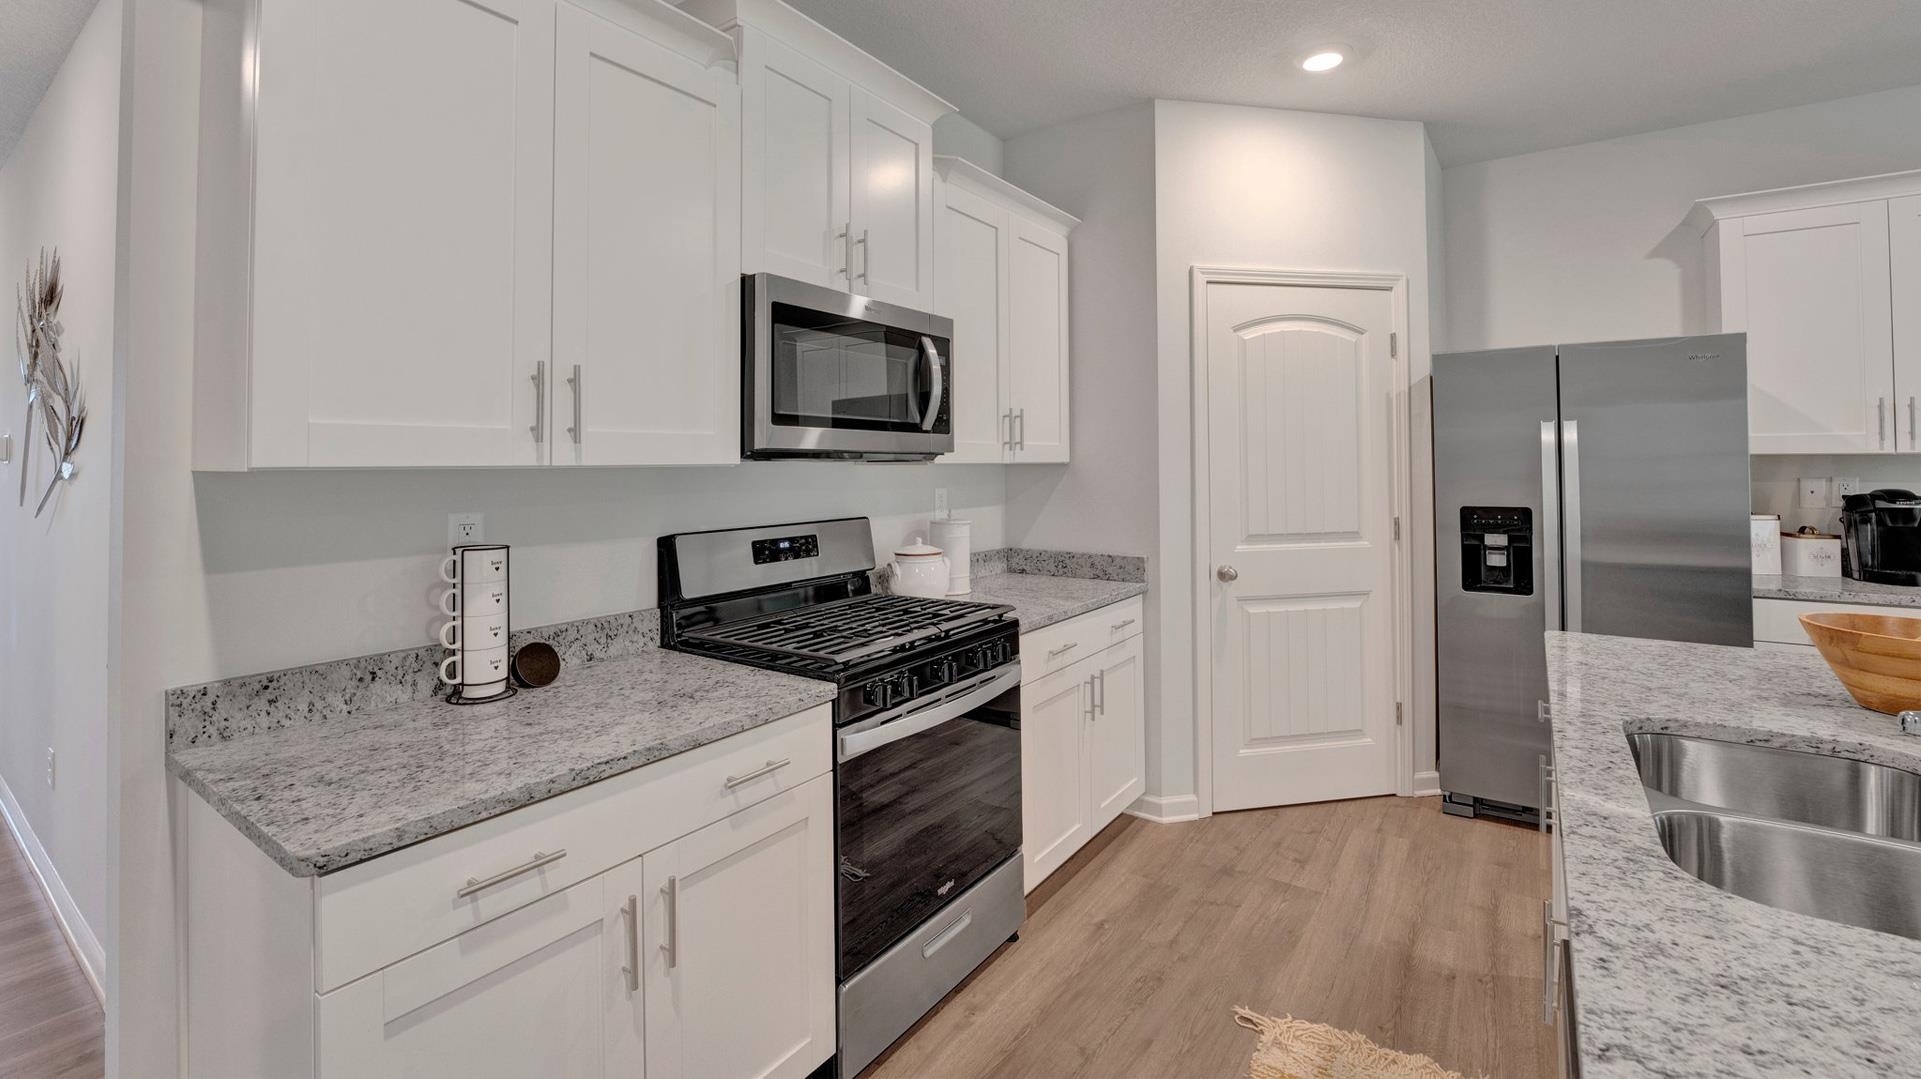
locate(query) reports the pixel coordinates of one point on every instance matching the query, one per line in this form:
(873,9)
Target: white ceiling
(1492,77)
(34,38)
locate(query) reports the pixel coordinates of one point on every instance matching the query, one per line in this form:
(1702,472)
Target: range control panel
(786,549)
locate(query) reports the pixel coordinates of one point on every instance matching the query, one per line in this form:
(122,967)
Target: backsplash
(1093,567)
(218,711)
(1775,479)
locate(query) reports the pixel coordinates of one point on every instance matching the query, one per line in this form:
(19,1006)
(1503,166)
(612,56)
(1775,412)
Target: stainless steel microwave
(831,374)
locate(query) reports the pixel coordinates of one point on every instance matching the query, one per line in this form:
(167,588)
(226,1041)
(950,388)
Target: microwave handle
(939,391)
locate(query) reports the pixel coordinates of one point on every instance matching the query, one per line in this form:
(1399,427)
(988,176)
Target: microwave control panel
(785,549)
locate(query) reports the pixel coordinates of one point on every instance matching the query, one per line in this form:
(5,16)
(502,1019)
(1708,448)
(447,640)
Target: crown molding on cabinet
(823,45)
(666,25)
(959,170)
(1806,196)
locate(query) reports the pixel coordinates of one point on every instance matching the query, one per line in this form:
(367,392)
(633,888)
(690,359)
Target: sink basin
(1783,784)
(1860,880)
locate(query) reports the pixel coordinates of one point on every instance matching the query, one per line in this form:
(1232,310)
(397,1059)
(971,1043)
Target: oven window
(923,819)
(836,372)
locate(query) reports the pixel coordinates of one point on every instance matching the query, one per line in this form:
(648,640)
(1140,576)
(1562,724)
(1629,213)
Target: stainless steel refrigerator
(1599,488)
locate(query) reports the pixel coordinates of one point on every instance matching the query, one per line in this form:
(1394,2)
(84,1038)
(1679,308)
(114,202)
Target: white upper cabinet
(1904,262)
(836,157)
(376,253)
(646,251)
(1001,266)
(1805,273)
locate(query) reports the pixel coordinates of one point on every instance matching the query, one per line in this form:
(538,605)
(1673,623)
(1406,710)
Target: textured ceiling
(34,38)
(1492,77)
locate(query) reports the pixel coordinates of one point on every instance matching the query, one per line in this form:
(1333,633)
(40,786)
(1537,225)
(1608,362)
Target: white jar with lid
(920,569)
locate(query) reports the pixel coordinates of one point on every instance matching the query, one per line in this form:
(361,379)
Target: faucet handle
(1910,721)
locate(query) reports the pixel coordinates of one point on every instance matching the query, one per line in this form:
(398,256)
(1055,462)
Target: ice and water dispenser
(1497,549)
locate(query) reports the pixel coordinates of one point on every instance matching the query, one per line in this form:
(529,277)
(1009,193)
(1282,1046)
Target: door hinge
(1397,527)
(1398,716)
(1393,345)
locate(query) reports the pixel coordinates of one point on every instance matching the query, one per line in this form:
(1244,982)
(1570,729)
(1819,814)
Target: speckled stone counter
(1042,601)
(1672,976)
(335,791)
(1836,590)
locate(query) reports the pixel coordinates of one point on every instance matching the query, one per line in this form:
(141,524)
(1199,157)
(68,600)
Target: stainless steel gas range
(927,750)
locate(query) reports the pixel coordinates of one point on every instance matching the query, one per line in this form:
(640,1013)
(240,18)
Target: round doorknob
(1227,574)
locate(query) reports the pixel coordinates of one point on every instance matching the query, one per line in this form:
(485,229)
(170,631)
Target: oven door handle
(854,743)
(939,389)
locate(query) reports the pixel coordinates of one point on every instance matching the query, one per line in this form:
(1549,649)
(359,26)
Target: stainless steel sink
(1860,880)
(1782,784)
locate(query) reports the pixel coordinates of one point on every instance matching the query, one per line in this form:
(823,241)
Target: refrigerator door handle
(1550,575)
(1571,544)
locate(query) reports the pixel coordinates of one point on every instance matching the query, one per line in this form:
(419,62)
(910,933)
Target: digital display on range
(786,549)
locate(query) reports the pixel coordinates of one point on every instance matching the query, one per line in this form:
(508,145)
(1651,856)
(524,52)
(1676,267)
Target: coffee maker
(1882,530)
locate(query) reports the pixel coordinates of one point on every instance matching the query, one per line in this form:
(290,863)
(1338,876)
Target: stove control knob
(876,694)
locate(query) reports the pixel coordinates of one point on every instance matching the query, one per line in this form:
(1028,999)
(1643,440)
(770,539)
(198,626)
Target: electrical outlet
(1843,486)
(465,528)
(49,766)
(941,512)
(1813,492)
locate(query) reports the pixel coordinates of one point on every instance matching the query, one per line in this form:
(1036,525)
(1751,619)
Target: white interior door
(1299,463)
(402,232)
(794,161)
(646,252)
(970,287)
(893,204)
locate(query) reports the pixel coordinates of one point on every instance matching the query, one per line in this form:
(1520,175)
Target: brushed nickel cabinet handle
(866,254)
(574,381)
(1100,692)
(1881,421)
(631,912)
(765,770)
(1911,441)
(1054,653)
(672,944)
(1550,963)
(1089,686)
(540,402)
(1120,625)
(845,236)
(540,859)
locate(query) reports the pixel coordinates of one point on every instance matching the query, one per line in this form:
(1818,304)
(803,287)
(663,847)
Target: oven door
(930,802)
(838,375)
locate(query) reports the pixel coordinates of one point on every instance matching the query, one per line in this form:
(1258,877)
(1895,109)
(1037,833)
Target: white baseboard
(1163,809)
(1427,784)
(85,946)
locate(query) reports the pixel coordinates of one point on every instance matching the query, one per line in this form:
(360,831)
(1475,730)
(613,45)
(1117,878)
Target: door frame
(1401,578)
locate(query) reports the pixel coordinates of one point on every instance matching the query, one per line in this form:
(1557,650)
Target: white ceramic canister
(1764,534)
(1810,554)
(955,536)
(920,570)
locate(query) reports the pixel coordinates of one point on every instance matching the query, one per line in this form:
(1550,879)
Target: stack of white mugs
(478,623)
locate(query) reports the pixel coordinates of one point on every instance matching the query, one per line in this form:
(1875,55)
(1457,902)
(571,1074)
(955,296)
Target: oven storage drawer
(374,913)
(890,995)
(1061,645)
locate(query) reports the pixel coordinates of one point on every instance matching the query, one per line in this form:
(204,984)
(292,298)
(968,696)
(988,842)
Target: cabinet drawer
(1778,621)
(372,914)
(1056,647)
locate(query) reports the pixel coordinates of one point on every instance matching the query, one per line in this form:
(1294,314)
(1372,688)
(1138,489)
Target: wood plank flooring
(51,1026)
(1385,916)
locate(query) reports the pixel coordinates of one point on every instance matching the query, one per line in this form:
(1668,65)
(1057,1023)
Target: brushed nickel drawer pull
(1056,653)
(475,884)
(672,944)
(1120,625)
(765,770)
(631,909)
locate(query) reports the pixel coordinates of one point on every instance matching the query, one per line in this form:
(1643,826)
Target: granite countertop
(338,791)
(1836,590)
(1672,976)
(1042,601)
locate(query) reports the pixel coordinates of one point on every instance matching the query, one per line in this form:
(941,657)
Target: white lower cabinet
(736,924)
(1777,622)
(1083,735)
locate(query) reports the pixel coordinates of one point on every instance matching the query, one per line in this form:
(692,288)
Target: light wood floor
(1385,916)
(51,1026)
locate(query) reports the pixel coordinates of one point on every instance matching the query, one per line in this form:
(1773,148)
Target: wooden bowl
(1876,657)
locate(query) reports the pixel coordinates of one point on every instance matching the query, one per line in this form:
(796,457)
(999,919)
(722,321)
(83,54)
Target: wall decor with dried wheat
(53,388)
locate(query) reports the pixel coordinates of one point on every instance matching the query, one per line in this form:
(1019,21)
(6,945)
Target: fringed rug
(1297,1049)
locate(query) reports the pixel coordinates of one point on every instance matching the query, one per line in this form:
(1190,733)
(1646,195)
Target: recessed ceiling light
(1323,60)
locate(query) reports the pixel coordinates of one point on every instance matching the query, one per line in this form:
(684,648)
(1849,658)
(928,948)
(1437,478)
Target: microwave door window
(832,372)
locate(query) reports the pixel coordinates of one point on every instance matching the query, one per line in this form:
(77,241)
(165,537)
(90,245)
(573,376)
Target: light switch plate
(1813,492)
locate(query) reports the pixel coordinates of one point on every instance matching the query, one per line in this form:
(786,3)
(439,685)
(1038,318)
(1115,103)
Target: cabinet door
(402,237)
(738,943)
(1117,737)
(1054,799)
(1904,262)
(1810,288)
(1037,342)
(794,160)
(646,252)
(893,204)
(970,287)
(518,996)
